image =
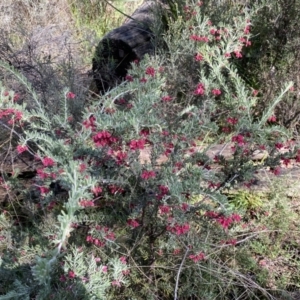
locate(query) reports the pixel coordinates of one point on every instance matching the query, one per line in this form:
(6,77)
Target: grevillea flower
(200,90)
(21,148)
(71,274)
(104,138)
(137,144)
(128,78)
(86,203)
(150,71)
(166,98)
(197,257)
(48,162)
(179,229)
(164,209)
(198,57)
(239,139)
(70,95)
(148,174)
(133,223)
(216,92)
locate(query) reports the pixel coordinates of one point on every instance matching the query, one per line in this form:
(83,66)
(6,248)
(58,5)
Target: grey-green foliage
(18,291)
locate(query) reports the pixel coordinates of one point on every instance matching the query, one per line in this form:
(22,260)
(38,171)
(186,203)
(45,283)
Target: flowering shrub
(154,225)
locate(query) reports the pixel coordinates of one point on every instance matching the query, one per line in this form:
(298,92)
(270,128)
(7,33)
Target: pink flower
(255,92)
(104,138)
(42,174)
(133,223)
(70,95)
(98,243)
(116,283)
(137,144)
(145,132)
(286,161)
(143,80)
(198,57)
(179,229)
(16,97)
(96,190)
(238,54)
(104,269)
(198,38)
(164,209)
(236,217)
(184,206)
(216,92)
(123,260)
(82,167)
(110,236)
(239,139)
(121,157)
(21,148)
(166,98)
(200,90)
(231,242)
(148,174)
(197,257)
(90,123)
(176,251)
(276,171)
(48,162)
(44,190)
(128,78)
(247,29)
(86,203)
(272,119)
(232,121)
(89,239)
(278,146)
(71,274)
(150,71)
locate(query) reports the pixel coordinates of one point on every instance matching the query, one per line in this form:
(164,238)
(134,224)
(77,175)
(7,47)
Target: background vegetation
(123,196)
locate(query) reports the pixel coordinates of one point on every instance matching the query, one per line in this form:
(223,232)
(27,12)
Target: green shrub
(124,205)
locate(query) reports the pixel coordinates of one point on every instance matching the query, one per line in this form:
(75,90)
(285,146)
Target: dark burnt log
(121,46)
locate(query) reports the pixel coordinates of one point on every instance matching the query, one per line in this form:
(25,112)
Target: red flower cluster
(225,222)
(179,229)
(21,148)
(197,257)
(148,174)
(232,121)
(200,90)
(86,203)
(95,241)
(163,190)
(48,162)
(137,144)
(129,78)
(104,138)
(216,92)
(133,223)
(150,71)
(90,123)
(198,57)
(114,189)
(166,98)
(198,38)
(70,95)
(239,139)
(15,115)
(164,209)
